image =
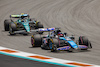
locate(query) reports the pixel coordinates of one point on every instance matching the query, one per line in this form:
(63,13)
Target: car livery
(23,25)
(57,42)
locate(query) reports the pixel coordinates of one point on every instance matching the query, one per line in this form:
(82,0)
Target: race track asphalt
(8,61)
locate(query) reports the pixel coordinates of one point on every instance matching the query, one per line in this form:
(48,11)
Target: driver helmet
(22,15)
(57,31)
(60,34)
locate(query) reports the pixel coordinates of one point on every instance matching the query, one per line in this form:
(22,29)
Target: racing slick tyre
(55,44)
(84,41)
(36,40)
(39,25)
(12,28)
(6,24)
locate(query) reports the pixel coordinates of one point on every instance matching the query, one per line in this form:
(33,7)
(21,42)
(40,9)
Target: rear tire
(6,24)
(39,25)
(36,40)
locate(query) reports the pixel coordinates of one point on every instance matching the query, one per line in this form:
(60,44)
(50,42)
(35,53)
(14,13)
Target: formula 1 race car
(56,41)
(23,25)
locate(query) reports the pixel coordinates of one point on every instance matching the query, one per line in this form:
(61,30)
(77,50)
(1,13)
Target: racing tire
(39,25)
(55,43)
(36,40)
(84,41)
(6,24)
(12,28)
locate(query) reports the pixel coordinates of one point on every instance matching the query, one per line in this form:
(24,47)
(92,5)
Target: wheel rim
(50,45)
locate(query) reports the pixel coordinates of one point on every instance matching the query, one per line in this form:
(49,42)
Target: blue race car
(66,42)
(23,25)
(56,41)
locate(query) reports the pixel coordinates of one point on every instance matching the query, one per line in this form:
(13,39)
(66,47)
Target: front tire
(12,28)
(84,41)
(55,43)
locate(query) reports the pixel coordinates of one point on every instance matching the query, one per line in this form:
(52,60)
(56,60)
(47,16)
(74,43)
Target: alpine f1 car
(56,41)
(23,25)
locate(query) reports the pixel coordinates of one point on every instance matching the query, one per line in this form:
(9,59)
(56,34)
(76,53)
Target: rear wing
(19,16)
(44,30)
